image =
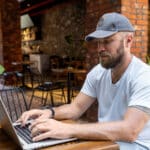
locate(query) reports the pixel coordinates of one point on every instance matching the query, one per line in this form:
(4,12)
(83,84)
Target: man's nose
(101,47)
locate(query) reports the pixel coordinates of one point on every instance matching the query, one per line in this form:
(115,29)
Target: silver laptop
(12,130)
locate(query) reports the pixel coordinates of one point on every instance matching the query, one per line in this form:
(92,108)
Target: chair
(36,78)
(12,95)
(47,89)
(15,102)
(44,84)
(55,61)
(12,78)
(23,75)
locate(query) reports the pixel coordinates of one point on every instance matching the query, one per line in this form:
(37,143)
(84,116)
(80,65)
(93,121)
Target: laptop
(19,135)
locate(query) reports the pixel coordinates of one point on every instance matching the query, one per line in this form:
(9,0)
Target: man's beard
(112,61)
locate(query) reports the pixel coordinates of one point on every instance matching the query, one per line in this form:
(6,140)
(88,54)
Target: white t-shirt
(133,89)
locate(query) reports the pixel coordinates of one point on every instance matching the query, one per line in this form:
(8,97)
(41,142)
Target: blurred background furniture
(73,82)
(41,60)
(25,74)
(15,101)
(47,96)
(44,83)
(12,79)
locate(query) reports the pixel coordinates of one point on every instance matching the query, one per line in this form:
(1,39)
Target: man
(121,85)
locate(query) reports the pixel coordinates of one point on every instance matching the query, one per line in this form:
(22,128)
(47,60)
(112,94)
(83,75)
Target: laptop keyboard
(24,132)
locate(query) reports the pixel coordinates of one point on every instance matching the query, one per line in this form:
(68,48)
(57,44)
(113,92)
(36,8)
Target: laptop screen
(8,127)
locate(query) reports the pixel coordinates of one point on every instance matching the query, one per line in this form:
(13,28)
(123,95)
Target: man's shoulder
(139,65)
(97,70)
(139,69)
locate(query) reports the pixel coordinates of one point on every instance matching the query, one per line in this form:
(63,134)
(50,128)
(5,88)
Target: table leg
(25,69)
(68,87)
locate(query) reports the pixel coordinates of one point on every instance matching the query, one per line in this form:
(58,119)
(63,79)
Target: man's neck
(117,72)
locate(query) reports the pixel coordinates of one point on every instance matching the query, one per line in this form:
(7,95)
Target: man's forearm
(66,111)
(127,129)
(74,110)
(100,131)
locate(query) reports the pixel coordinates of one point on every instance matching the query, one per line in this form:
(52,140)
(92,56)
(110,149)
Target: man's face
(110,50)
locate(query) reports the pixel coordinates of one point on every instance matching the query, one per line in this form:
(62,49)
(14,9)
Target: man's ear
(129,40)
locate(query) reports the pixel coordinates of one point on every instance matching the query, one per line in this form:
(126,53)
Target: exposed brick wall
(10,40)
(148,32)
(137,12)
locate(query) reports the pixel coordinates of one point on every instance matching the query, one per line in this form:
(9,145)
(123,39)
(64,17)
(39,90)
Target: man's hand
(34,114)
(49,128)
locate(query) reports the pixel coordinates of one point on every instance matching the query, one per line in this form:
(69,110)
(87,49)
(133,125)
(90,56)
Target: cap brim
(99,34)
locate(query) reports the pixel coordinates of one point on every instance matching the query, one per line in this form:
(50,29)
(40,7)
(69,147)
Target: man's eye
(108,41)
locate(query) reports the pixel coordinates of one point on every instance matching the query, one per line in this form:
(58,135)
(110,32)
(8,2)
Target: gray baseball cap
(109,24)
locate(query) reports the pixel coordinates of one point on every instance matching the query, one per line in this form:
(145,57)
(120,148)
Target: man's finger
(41,136)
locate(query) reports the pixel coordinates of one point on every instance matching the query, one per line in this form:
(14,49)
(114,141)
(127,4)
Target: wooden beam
(38,5)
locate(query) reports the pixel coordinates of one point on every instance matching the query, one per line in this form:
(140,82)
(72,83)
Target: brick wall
(136,11)
(10,40)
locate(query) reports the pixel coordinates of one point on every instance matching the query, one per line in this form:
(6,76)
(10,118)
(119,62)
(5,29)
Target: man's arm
(68,111)
(125,130)
(74,110)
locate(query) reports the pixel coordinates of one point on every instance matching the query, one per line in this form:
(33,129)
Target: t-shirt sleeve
(88,87)
(90,84)
(140,90)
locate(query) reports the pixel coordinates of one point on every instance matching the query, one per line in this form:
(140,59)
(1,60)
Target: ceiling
(35,7)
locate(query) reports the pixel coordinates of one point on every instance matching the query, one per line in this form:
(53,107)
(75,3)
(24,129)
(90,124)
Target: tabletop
(8,144)
(23,63)
(85,145)
(69,70)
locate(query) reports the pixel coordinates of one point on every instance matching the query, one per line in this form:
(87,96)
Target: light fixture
(26,21)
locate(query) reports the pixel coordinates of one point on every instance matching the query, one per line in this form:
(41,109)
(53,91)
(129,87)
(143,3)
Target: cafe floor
(57,97)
